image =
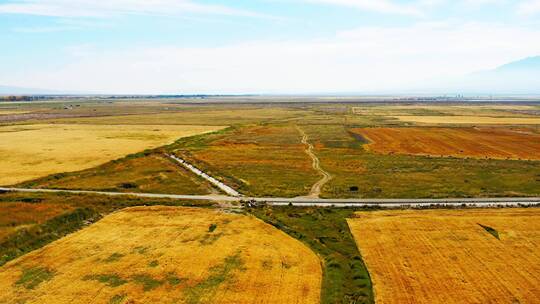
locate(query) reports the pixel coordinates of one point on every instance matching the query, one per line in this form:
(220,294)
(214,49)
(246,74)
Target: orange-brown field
(451,256)
(167,255)
(17,215)
(497,143)
(259,160)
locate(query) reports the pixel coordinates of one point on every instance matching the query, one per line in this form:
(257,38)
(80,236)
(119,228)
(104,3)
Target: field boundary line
(227,189)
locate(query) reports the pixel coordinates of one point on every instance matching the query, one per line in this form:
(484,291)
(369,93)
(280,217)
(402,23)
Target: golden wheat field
(470,120)
(31,151)
(167,255)
(451,256)
(498,143)
(11,112)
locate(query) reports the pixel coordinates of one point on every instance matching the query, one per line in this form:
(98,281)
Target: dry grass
(494,110)
(458,142)
(31,151)
(446,256)
(227,115)
(267,160)
(470,120)
(154,173)
(10,112)
(17,215)
(167,255)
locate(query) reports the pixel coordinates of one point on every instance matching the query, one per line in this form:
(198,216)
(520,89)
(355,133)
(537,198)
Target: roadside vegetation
(325,231)
(149,171)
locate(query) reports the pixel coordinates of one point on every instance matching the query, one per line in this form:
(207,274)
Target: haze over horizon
(270,46)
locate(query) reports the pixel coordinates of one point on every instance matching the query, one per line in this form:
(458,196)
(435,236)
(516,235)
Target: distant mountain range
(527,64)
(8,90)
(517,77)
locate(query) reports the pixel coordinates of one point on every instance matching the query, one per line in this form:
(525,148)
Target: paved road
(306,201)
(326,177)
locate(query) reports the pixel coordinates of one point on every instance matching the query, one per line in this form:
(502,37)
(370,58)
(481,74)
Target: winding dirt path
(326,177)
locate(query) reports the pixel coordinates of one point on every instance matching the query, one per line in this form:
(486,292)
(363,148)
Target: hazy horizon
(269,47)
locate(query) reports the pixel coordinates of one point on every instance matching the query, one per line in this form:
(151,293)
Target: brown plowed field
(497,143)
(167,255)
(446,256)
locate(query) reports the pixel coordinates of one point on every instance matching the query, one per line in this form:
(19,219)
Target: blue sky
(258,46)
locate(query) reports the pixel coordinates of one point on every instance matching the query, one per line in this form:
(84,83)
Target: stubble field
(498,143)
(167,254)
(31,151)
(451,256)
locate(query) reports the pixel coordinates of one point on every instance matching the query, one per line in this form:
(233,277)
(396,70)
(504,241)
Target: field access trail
(326,177)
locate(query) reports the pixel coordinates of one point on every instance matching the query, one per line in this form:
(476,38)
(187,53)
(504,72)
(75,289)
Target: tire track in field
(316,164)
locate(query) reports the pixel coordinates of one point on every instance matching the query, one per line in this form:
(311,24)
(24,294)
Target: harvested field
(17,215)
(167,255)
(470,120)
(451,256)
(458,142)
(31,151)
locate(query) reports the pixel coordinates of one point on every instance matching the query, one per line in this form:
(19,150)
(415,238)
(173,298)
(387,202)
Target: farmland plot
(31,151)
(451,256)
(266,160)
(167,255)
(469,120)
(498,143)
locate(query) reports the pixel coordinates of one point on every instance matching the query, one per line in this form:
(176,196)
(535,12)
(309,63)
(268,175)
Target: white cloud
(359,60)
(529,7)
(381,6)
(98,8)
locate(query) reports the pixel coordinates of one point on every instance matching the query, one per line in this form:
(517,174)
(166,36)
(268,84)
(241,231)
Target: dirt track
(326,177)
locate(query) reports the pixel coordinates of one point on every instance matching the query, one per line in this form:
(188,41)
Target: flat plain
(451,256)
(267,160)
(498,143)
(167,254)
(150,173)
(469,120)
(31,151)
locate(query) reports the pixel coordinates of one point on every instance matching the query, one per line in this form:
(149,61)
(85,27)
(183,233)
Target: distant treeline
(48,97)
(21,98)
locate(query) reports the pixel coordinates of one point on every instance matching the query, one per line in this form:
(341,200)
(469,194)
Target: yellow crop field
(31,151)
(451,256)
(495,110)
(167,255)
(472,120)
(9,112)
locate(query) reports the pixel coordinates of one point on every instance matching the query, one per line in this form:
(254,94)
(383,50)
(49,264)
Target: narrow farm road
(326,177)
